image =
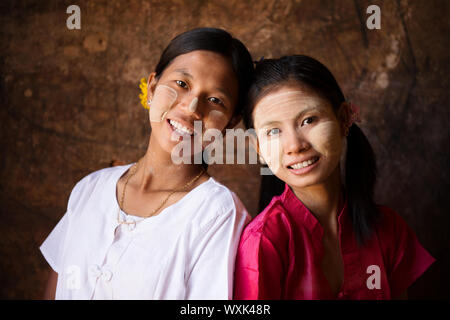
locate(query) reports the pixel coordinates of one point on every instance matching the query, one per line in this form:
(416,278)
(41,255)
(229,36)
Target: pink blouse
(280,253)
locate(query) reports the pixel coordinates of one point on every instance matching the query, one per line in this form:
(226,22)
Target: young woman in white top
(156,229)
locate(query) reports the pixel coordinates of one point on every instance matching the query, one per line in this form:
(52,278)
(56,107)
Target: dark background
(69,105)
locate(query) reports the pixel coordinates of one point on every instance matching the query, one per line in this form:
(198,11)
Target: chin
(317,178)
(303,183)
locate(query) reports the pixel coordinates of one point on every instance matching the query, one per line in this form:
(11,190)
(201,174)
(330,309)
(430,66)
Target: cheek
(163,99)
(271,151)
(193,105)
(326,138)
(216,120)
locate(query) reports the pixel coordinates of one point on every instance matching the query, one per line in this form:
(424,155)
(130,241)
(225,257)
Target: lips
(303,163)
(180,128)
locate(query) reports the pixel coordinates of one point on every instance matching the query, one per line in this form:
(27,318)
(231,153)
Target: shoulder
(102,174)
(390,221)
(403,254)
(217,196)
(393,231)
(273,223)
(96,180)
(214,201)
(213,207)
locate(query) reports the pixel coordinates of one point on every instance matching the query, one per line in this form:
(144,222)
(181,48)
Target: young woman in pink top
(323,237)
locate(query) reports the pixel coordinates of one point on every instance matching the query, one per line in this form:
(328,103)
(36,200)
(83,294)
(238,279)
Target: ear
(344,116)
(151,85)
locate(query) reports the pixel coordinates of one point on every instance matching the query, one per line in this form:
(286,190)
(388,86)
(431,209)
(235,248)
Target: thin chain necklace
(132,172)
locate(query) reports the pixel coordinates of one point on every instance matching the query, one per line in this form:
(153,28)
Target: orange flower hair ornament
(143,94)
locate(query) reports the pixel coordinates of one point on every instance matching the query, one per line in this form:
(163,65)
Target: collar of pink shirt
(350,251)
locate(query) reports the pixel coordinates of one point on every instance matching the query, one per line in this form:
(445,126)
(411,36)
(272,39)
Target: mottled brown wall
(69,104)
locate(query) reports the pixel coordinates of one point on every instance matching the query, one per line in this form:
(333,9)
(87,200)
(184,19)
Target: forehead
(201,64)
(286,104)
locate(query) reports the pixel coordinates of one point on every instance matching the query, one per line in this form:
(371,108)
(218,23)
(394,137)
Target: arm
(212,256)
(259,271)
(53,246)
(50,289)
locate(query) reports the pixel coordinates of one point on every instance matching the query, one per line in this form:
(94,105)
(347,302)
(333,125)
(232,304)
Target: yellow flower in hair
(143,94)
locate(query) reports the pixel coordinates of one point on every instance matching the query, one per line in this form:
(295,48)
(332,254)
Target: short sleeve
(409,259)
(52,247)
(212,259)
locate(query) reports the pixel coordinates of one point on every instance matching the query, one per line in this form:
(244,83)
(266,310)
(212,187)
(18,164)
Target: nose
(293,142)
(191,105)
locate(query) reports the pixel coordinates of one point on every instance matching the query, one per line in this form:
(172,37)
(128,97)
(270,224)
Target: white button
(107,275)
(131,223)
(94,271)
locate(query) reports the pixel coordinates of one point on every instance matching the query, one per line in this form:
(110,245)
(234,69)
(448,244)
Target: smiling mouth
(303,164)
(179,128)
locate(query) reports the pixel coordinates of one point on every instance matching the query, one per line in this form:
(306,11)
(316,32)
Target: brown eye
(215,100)
(181,84)
(308,120)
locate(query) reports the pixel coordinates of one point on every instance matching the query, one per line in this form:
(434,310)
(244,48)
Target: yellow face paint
(325,137)
(271,151)
(193,105)
(280,107)
(216,119)
(162,101)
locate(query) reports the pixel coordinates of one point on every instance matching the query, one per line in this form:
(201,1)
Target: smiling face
(196,86)
(299,135)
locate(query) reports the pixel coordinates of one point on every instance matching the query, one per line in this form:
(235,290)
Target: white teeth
(180,128)
(304,164)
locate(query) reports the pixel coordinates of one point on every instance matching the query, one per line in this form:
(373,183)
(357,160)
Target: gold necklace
(164,201)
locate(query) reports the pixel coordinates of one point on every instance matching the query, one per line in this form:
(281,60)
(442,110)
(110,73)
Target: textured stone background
(69,104)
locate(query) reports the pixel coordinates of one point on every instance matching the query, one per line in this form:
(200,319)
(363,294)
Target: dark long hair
(218,41)
(360,166)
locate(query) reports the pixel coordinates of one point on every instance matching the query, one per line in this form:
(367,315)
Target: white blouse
(185,252)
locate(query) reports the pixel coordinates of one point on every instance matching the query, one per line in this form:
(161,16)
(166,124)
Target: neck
(156,170)
(323,199)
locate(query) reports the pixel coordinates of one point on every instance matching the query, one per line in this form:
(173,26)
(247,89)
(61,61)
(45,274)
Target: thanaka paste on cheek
(163,100)
(271,151)
(216,119)
(193,105)
(325,137)
(214,124)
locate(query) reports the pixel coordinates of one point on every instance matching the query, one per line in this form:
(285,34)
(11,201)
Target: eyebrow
(184,72)
(269,123)
(299,115)
(224,92)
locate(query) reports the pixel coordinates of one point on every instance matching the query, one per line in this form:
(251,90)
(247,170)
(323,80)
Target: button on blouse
(185,252)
